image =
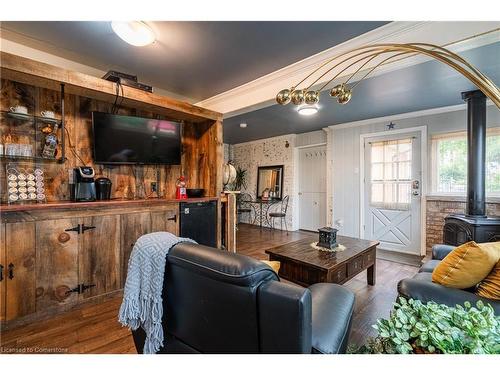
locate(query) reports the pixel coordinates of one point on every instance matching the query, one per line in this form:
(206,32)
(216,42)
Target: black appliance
(135,140)
(82,185)
(199,222)
(103,189)
(474,225)
(127,80)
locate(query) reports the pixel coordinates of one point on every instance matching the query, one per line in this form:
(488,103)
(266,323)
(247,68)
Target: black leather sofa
(220,302)
(421,286)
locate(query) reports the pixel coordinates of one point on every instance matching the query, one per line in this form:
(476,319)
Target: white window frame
(434,165)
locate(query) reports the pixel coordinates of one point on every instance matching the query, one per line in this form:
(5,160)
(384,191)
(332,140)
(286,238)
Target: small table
(261,215)
(304,265)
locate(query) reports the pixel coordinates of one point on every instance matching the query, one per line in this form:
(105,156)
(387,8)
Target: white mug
(48,114)
(19,109)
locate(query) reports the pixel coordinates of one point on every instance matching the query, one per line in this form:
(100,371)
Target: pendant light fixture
(136,33)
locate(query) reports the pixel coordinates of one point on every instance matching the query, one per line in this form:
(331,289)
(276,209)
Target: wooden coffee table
(304,265)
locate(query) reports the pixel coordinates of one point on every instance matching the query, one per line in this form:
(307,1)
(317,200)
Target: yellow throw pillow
(274,264)
(490,286)
(467,265)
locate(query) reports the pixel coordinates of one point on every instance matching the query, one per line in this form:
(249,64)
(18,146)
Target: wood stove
(474,225)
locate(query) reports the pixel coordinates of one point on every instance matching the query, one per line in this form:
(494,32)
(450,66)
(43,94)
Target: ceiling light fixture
(308,110)
(136,33)
(243,125)
(378,54)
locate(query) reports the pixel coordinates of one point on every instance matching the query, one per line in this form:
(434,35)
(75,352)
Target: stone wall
(439,207)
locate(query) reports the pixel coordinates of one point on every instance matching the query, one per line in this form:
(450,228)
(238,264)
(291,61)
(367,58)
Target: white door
(393,175)
(312,188)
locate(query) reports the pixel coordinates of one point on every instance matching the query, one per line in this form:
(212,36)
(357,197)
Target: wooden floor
(94,329)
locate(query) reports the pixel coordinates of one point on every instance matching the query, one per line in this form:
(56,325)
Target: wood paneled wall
(202,156)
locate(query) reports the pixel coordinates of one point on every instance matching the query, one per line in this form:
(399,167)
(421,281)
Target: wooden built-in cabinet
(54,260)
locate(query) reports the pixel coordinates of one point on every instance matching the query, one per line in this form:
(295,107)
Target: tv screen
(135,140)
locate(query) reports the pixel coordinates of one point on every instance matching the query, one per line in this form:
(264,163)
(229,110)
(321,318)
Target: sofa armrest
(332,308)
(440,251)
(425,291)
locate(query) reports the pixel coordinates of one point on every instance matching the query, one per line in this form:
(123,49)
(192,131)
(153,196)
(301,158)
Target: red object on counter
(180,192)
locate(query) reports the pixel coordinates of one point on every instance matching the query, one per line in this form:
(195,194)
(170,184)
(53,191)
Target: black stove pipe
(476,152)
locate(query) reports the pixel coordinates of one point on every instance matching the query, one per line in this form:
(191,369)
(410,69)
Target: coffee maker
(81,184)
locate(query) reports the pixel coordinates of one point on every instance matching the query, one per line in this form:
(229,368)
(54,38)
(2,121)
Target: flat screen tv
(135,140)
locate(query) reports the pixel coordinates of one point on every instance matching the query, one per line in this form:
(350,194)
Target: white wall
(273,151)
(345,151)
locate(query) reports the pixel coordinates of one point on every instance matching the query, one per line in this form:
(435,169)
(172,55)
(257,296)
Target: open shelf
(22,118)
(36,159)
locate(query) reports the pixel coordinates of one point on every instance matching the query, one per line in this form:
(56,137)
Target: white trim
(260,93)
(311,145)
(404,116)
(423,181)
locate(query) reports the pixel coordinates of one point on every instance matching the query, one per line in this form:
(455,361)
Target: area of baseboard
(392,256)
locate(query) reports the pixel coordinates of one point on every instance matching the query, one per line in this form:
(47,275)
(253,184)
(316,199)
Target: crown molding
(260,93)
(403,116)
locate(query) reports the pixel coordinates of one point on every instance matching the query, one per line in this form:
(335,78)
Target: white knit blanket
(142,304)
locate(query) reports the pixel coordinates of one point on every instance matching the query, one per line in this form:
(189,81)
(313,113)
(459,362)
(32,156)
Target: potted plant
(240,180)
(416,327)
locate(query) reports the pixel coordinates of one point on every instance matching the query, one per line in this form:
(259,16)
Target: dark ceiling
(194,59)
(423,86)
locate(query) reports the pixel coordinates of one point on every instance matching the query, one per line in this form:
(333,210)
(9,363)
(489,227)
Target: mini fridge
(198,221)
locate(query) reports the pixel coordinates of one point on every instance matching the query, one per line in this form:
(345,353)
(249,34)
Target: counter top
(56,205)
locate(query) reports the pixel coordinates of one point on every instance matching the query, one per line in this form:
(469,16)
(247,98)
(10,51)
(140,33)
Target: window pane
(377,192)
(452,165)
(377,171)
(405,170)
(391,152)
(493,164)
(390,193)
(389,171)
(377,153)
(404,151)
(404,192)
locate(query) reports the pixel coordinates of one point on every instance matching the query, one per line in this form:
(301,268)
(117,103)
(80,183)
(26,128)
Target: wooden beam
(39,74)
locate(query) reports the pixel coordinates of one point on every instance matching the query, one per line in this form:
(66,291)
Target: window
(449,163)
(390,174)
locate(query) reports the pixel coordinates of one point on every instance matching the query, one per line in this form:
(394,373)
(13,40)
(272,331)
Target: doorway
(392,187)
(312,187)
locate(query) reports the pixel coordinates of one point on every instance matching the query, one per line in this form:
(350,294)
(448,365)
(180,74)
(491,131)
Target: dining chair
(244,206)
(280,213)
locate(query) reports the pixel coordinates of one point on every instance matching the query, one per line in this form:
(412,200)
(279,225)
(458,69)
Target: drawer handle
(173,218)
(74,229)
(11,271)
(1,272)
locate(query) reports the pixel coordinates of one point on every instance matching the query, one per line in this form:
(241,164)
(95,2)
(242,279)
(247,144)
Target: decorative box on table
(327,238)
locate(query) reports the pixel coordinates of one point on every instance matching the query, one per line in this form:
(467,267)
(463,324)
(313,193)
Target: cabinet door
(132,226)
(99,257)
(166,221)
(56,262)
(19,269)
(3,272)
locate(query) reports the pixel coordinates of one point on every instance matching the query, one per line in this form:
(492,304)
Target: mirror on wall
(270,182)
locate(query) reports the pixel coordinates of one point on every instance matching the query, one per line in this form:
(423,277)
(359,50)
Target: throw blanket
(142,304)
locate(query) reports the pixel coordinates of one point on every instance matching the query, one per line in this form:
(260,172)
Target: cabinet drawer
(339,275)
(369,258)
(355,266)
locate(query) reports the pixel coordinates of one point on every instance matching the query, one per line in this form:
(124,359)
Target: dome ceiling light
(308,109)
(136,33)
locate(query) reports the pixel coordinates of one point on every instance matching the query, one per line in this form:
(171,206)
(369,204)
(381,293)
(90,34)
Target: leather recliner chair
(422,288)
(220,302)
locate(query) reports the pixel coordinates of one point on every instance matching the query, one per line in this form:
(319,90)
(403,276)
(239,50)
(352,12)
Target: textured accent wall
(270,151)
(439,208)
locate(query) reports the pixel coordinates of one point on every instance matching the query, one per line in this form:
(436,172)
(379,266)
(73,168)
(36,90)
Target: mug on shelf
(48,114)
(19,109)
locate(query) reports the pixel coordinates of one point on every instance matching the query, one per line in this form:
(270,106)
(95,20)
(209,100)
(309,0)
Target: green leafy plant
(416,327)
(241,179)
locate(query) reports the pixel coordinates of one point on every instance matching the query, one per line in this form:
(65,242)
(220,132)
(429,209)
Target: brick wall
(438,209)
